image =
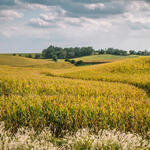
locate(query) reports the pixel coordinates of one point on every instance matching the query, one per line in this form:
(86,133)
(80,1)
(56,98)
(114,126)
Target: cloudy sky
(32,25)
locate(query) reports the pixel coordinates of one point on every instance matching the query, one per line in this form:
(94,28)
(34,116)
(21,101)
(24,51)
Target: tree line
(55,53)
(113,51)
(63,53)
(143,53)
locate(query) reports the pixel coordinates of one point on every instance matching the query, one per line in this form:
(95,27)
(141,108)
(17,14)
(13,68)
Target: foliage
(63,53)
(29,55)
(78,63)
(142,53)
(54,58)
(113,51)
(72,61)
(37,56)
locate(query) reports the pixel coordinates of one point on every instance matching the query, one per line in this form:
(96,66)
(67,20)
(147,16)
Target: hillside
(19,61)
(135,71)
(47,97)
(103,58)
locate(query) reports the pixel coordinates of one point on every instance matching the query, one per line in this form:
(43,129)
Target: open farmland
(103,58)
(20,61)
(132,71)
(100,97)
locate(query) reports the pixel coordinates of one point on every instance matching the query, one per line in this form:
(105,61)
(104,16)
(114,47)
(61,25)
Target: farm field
(103,58)
(20,61)
(40,96)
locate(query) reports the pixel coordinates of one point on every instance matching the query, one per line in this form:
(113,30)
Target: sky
(32,25)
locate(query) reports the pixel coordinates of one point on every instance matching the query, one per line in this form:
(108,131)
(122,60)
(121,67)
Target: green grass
(103,58)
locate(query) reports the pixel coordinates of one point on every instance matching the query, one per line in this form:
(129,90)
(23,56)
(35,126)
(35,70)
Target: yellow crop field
(19,61)
(72,104)
(77,98)
(132,71)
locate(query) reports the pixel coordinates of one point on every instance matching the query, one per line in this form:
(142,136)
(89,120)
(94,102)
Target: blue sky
(32,25)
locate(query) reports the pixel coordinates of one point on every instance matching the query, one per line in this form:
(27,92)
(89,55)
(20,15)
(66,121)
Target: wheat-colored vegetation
(72,104)
(20,61)
(132,71)
(108,96)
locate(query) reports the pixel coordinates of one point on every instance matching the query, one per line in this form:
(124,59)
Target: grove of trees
(143,53)
(113,51)
(54,53)
(63,53)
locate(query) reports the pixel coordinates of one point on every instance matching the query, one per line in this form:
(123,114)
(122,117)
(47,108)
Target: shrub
(78,63)
(72,61)
(67,60)
(37,56)
(54,58)
(29,56)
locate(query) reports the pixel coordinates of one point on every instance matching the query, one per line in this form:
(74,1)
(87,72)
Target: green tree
(54,58)
(37,56)
(29,55)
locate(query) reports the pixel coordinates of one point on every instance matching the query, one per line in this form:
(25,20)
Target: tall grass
(132,71)
(69,105)
(31,99)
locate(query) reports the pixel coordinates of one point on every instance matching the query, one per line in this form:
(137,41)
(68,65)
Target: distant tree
(70,52)
(132,52)
(67,59)
(63,53)
(78,63)
(14,54)
(143,53)
(54,58)
(146,53)
(113,51)
(49,52)
(29,56)
(101,52)
(20,54)
(72,61)
(37,56)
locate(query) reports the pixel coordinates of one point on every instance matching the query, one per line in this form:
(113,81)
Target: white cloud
(36,6)
(6,15)
(47,17)
(98,24)
(138,6)
(94,6)
(53,13)
(37,22)
(142,19)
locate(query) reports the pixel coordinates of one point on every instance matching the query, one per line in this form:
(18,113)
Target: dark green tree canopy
(63,53)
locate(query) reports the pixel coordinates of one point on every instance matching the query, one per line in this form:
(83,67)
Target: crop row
(69,105)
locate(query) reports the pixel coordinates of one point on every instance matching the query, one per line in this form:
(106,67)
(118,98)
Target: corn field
(103,97)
